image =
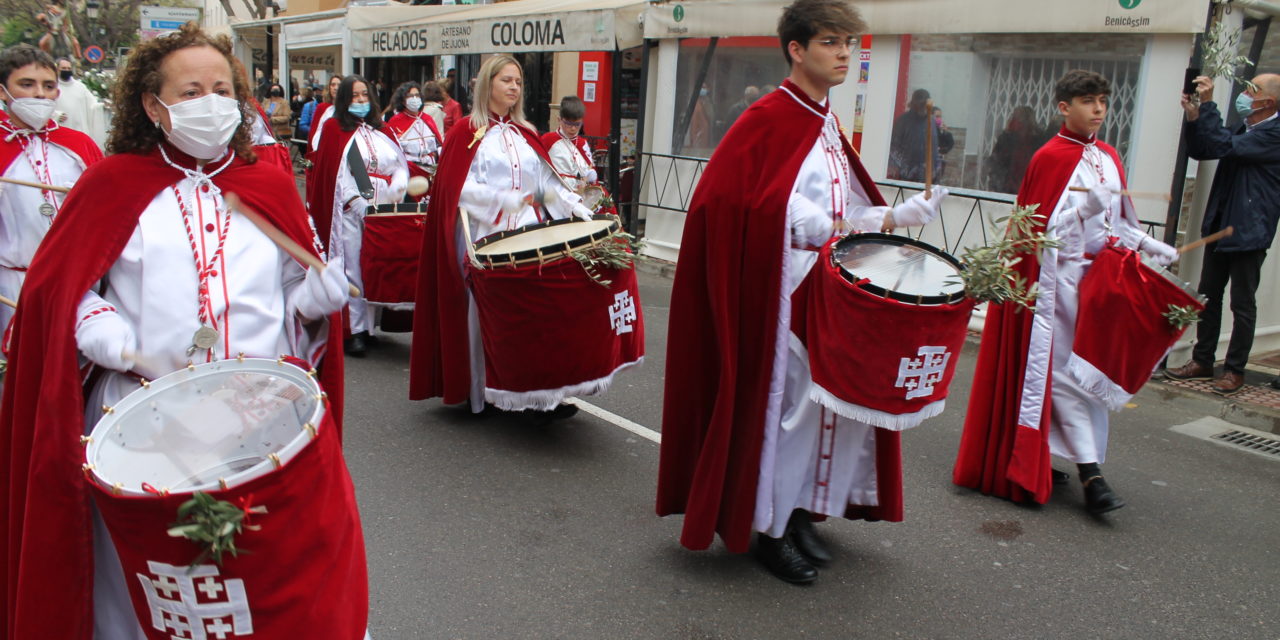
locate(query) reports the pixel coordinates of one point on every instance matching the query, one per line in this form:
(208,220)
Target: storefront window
(993,102)
(715,82)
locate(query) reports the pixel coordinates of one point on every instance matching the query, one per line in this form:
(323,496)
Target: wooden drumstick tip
(10,303)
(281,239)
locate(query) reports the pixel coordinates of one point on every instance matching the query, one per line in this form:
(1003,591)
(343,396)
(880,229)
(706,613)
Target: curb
(1245,414)
(656,267)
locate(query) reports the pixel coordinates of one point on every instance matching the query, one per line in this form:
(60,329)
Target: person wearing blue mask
(346,188)
(1245,195)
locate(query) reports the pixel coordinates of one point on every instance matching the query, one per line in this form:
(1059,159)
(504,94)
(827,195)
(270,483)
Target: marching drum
(883,318)
(254,433)
(389,261)
(1121,332)
(550,328)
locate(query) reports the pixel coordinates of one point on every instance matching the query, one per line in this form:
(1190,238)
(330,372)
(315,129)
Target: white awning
(726,18)
(318,33)
(508,27)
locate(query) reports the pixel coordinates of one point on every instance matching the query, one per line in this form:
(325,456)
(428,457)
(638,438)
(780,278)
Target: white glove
(1163,254)
(591,176)
(1095,201)
(917,211)
(322,293)
(582,211)
(107,340)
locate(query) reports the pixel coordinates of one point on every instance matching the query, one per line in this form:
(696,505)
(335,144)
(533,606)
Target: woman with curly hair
(147,271)
(416,132)
(343,191)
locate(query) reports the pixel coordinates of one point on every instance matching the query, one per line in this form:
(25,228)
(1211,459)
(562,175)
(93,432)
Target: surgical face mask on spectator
(65,74)
(1244,105)
(414,103)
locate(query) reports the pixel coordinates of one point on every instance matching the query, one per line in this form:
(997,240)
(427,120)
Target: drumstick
(466,235)
(4,300)
(283,241)
(38,185)
(1148,195)
(928,149)
(1213,237)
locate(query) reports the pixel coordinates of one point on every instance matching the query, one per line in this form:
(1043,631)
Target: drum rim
(517,258)
(398,207)
(306,380)
(1173,279)
(882,292)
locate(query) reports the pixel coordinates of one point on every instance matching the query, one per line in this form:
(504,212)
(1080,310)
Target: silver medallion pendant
(205,337)
(47,210)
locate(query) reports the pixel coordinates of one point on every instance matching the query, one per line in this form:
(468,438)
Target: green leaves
(213,524)
(1182,317)
(1221,47)
(989,274)
(617,252)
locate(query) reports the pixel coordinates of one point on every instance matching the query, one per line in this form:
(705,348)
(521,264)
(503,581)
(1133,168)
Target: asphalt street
(485,527)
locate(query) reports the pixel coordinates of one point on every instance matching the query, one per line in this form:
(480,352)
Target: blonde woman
(494,167)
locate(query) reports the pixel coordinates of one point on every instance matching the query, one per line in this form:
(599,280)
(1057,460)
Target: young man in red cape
(48,538)
(743,447)
(1026,403)
(35,149)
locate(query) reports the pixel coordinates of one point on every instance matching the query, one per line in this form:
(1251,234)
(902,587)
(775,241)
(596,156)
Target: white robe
(248,295)
(346,237)
(569,161)
(318,125)
(22,226)
(504,164)
(84,111)
(1079,420)
(813,459)
(420,145)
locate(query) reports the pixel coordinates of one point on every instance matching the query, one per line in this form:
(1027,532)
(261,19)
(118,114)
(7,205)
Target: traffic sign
(93,53)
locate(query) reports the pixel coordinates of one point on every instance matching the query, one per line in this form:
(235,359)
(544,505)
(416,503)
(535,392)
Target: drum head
(546,239)
(1165,273)
(900,268)
(210,427)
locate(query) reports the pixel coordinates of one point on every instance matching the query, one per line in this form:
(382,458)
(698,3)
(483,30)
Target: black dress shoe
(805,537)
(540,418)
(1059,477)
(1099,498)
(356,346)
(782,559)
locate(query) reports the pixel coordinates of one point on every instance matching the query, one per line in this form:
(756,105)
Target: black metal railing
(667,182)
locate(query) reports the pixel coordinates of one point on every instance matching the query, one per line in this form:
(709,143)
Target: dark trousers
(1243,269)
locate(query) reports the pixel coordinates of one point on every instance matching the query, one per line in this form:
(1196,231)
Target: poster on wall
(588,92)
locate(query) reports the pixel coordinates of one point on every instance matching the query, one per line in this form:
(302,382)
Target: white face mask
(34,112)
(201,128)
(414,103)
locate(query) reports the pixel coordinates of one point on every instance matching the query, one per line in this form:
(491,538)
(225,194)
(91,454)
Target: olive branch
(989,274)
(213,525)
(620,251)
(1182,317)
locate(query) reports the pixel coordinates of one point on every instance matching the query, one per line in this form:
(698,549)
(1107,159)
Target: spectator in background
(946,142)
(452,108)
(308,112)
(749,95)
(77,107)
(906,146)
(702,120)
(1013,150)
(433,103)
(278,112)
(1245,195)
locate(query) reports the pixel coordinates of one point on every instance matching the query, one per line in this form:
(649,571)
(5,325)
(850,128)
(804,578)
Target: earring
(157,124)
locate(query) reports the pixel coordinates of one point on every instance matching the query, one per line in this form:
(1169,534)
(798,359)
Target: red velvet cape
(74,141)
(440,361)
(321,107)
(997,455)
(324,177)
(400,123)
(724,310)
(47,532)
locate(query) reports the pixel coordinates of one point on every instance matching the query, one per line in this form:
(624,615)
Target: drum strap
(355,162)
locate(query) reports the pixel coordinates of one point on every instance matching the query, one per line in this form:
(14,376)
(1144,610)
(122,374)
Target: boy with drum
(743,447)
(570,153)
(1026,402)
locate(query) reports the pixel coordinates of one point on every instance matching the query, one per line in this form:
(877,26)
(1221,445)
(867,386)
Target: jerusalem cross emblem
(193,604)
(622,313)
(919,375)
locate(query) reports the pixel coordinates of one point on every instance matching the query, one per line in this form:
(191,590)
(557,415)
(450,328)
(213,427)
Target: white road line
(617,420)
